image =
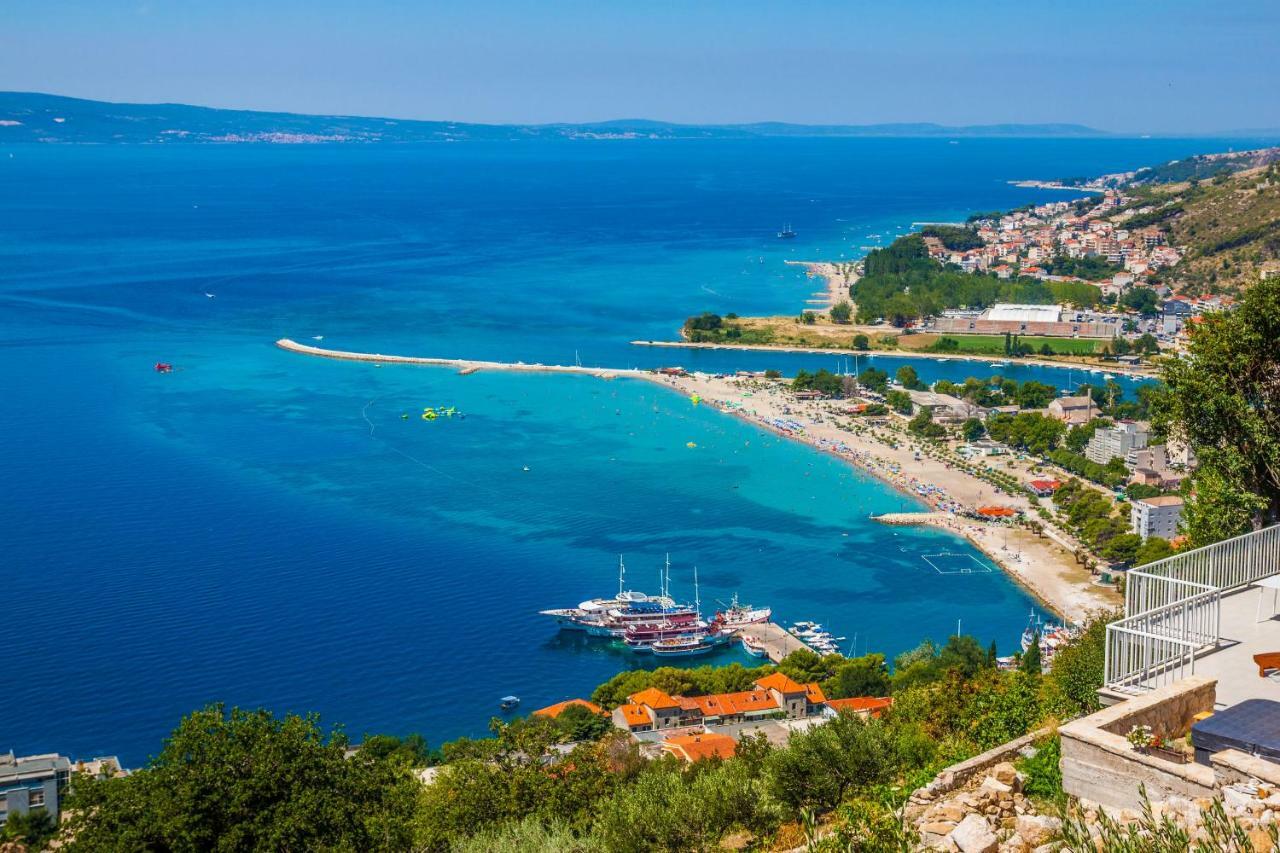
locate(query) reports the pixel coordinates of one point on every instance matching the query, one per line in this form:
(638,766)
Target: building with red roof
(774,695)
(699,747)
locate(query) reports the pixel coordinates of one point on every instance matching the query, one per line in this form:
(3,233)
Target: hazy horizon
(1125,70)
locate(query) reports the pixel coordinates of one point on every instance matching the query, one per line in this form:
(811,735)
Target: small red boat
(164,367)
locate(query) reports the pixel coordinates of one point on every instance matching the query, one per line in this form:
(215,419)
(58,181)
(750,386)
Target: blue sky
(1126,65)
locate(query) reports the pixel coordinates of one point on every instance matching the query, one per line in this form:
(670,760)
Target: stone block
(974,835)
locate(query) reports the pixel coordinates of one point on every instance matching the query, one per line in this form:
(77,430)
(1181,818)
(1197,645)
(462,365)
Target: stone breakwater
(462,364)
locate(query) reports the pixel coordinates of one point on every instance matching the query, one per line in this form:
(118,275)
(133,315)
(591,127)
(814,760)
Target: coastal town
(325,432)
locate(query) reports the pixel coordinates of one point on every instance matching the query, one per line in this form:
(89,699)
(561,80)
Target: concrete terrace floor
(1243,636)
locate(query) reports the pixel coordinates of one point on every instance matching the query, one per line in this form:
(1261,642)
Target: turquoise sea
(262,528)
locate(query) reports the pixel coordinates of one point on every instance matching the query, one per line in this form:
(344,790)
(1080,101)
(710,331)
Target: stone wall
(957,775)
(1231,766)
(1099,764)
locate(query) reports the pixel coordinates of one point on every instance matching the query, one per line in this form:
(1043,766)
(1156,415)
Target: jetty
(907,519)
(464,366)
(775,639)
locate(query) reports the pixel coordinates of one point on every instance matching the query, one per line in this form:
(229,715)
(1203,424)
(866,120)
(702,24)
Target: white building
(1118,440)
(1157,516)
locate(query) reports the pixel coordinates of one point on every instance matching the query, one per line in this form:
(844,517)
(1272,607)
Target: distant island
(37,117)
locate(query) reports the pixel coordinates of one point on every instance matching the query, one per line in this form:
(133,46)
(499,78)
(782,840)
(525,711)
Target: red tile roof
(780,682)
(654,698)
(555,710)
(635,715)
(723,704)
(697,747)
(859,704)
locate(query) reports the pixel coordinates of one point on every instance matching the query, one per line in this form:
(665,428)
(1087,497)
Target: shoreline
(990,359)
(1033,563)
(838,284)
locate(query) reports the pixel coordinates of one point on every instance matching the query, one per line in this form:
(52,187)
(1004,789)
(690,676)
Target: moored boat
(753,647)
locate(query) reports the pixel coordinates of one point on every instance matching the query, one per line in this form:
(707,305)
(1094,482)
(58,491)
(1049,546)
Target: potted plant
(1140,738)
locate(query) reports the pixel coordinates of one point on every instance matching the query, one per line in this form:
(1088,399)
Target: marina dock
(775,639)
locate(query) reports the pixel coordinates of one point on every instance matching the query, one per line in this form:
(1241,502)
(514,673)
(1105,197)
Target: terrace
(1199,613)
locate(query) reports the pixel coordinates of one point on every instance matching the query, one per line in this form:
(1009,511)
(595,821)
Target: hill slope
(1229,226)
(35,117)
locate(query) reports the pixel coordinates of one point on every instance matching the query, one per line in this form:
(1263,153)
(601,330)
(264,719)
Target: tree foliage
(1223,399)
(247,780)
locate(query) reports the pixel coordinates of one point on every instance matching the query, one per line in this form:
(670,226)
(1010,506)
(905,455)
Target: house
(699,747)
(557,709)
(1043,488)
(1073,411)
(39,782)
(1158,516)
(944,407)
(32,782)
(774,695)
(648,710)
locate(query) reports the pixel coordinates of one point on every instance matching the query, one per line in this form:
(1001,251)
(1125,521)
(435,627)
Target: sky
(1134,66)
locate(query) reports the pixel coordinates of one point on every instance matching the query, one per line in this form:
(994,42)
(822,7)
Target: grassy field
(994,344)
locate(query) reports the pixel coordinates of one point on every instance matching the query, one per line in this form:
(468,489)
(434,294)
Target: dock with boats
(774,639)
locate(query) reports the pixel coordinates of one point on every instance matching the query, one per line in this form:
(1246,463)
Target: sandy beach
(837,282)
(1044,565)
(988,359)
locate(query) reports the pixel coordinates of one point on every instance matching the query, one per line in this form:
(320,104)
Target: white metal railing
(1173,608)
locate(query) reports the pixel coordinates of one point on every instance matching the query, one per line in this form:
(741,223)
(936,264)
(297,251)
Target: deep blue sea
(261,528)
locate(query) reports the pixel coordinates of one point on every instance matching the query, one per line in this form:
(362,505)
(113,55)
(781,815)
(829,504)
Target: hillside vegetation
(1229,225)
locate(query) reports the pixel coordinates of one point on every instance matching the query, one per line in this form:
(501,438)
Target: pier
(907,519)
(464,366)
(775,639)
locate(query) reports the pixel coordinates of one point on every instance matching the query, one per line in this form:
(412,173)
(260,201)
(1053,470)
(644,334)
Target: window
(37,797)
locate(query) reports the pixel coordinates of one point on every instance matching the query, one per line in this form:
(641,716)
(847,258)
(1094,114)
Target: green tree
(1223,399)
(908,378)
(579,723)
(899,401)
(247,780)
(1141,300)
(33,829)
(1031,661)
(412,749)
(864,676)
(1153,549)
(1122,548)
(861,342)
(1077,670)
(1034,395)
(874,380)
(964,654)
(973,429)
(841,312)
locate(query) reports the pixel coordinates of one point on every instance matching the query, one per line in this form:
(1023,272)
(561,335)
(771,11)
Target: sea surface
(261,528)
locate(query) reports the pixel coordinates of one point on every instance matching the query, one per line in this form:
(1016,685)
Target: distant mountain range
(35,117)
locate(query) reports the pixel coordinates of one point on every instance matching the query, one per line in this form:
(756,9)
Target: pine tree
(1031,662)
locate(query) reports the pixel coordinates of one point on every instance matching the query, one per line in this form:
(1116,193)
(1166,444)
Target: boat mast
(697,602)
(622,570)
